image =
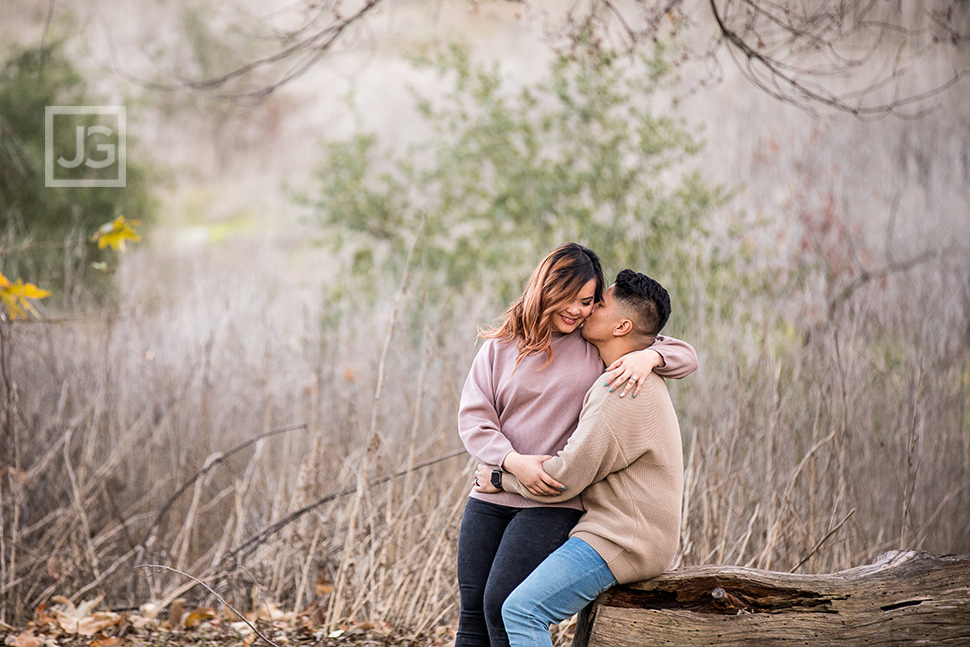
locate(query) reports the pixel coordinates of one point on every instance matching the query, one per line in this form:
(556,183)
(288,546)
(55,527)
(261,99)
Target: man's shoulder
(601,398)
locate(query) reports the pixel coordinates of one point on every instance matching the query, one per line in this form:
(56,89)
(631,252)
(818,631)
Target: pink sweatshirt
(534,410)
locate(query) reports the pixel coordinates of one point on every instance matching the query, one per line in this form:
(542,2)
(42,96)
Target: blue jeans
(560,587)
(498,546)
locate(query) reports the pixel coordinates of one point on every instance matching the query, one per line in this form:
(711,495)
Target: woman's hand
(631,369)
(528,469)
(483,480)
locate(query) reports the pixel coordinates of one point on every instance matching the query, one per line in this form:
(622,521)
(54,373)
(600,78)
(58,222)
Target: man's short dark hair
(645,300)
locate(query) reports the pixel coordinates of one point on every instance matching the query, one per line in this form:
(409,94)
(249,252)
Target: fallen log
(904,598)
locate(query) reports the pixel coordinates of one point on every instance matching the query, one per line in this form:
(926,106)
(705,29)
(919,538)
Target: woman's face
(572,313)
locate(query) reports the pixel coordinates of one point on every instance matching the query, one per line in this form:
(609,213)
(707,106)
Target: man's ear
(624,327)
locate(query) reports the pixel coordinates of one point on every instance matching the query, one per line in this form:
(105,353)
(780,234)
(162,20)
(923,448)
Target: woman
(519,405)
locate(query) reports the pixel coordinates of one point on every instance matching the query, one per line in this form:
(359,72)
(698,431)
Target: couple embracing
(580,479)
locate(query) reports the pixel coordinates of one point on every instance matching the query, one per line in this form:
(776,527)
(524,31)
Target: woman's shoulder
(494,349)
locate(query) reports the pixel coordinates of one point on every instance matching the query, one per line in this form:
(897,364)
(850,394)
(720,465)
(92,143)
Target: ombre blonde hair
(556,281)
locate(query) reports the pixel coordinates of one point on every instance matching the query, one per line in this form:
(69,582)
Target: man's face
(599,325)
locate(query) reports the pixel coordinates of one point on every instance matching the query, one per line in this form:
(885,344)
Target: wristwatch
(497,479)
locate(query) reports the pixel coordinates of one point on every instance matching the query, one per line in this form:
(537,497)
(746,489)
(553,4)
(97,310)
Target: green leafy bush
(44,231)
(504,176)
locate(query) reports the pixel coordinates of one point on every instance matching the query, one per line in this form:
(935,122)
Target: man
(626,459)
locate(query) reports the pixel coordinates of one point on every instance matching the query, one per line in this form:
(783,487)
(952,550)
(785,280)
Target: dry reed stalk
(368,574)
(278,492)
(246,486)
(725,524)
(418,407)
(211,462)
(78,505)
(335,607)
(938,511)
(278,574)
(302,588)
(225,539)
(424,614)
(690,484)
(305,480)
(3,546)
(207,560)
(54,450)
(185,532)
(821,541)
(79,594)
(382,558)
(11,439)
(912,463)
(742,544)
(764,561)
(773,422)
(741,436)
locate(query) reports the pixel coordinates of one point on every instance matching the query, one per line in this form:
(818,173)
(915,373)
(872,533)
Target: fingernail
(611,390)
(606,383)
(563,487)
(634,395)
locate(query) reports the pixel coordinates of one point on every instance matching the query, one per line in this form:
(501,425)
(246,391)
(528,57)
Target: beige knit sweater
(626,458)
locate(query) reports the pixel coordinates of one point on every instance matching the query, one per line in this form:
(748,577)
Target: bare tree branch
(846,55)
(218,597)
(313,41)
(252,542)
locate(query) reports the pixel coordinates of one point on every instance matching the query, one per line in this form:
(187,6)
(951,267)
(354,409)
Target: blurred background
(333,197)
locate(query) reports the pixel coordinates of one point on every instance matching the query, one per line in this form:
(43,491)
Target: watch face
(497,479)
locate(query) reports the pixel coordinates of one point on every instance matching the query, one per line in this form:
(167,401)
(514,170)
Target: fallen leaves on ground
(65,623)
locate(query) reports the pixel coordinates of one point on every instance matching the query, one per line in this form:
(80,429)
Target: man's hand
(483,480)
(632,368)
(528,469)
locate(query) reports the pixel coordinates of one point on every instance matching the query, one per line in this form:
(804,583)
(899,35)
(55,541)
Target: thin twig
(211,462)
(47,27)
(912,464)
(822,541)
(306,52)
(79,506)
(220,598)
(401,291)
(250,543)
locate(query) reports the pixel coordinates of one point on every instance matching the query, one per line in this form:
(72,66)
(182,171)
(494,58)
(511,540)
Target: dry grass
(227,422)
(178,430)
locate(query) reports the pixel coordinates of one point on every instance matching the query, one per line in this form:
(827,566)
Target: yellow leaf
(198,616)
(31,291)
(116,233)
(15,297)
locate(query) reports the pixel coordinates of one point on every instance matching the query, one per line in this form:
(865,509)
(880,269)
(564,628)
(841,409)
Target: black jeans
(498,547)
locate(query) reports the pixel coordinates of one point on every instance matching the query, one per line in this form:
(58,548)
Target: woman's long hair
(556,281)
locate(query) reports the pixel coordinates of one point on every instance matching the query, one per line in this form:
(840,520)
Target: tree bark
(905,598)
